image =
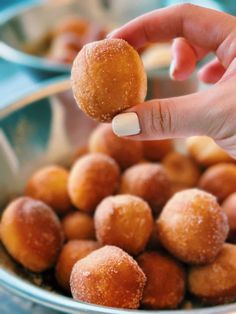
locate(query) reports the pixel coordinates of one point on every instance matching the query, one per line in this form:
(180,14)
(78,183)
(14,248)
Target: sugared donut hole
(119,80)
(205,151)
(215,283)
(49,184)
(125,152)
(193,227)
(71,252)
(109,277)
(181,169)
(32,234)
(219,180)
(125,221)
(148,181)
(78,225)
(165,286)
(92,177)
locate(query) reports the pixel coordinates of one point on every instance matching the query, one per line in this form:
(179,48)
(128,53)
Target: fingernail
(172,69)
(126,124)
(112,33)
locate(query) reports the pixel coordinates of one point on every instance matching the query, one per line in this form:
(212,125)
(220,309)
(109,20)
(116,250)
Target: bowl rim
(11,54)
(27,290)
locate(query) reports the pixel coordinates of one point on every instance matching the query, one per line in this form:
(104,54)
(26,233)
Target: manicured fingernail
(126,124)
(172,69)
(112,33)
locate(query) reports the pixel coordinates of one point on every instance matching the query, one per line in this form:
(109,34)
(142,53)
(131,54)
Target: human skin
(196,32)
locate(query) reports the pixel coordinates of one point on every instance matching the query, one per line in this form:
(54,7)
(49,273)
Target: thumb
(194,114)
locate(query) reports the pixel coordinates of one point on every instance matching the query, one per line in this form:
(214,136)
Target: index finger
(203,27)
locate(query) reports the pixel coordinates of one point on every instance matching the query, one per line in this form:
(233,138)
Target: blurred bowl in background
(25,25)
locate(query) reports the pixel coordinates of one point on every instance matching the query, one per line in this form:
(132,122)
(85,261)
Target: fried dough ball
(49,185)
(205,151)
(125,221)
(73,24)
(92,178)
(165,286)
(108,77)
(219,180)
(148,181)
(215,283)
(182,170)
(71,252)
(156,150)
(193,227)
(109,277)
(78,225)
(31,233)
(125,152)
(229,207)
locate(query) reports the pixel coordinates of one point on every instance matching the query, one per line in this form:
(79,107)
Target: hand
(196,32)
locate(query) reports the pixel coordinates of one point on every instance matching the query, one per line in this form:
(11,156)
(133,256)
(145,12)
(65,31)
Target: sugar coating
(107,78)
(192,226)
(215,283)
(165,287)
(109,277)
(71,252)
(49,184)
(31,232)
(125,221)
(93,177)
(148,181)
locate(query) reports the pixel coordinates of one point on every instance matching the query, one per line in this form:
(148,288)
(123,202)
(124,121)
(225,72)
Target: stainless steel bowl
(25,24)
(39,128)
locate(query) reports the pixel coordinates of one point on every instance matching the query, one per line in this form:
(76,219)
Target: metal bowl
(39,128)
(25,24)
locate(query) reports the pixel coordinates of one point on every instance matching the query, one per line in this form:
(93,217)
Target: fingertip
(113,33)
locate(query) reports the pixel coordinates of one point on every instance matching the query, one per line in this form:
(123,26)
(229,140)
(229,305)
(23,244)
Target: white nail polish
(126,124)
(172,69)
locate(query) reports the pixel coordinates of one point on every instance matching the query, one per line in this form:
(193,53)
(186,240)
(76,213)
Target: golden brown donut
(229,207)
(193,227)
(215,283)
(71,252)
(165,286)
(109,277)
(92,178)
(205,151)
(156,150)
(125,152)
(125,221)
(219,180)
(108,77)
(78,225)
(148,181)
(181,169)
(31,233)
(49,185)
